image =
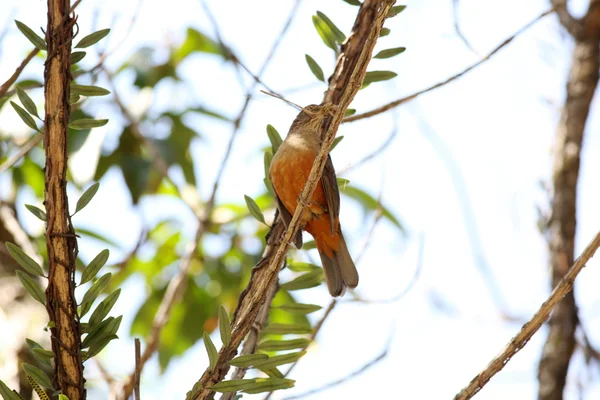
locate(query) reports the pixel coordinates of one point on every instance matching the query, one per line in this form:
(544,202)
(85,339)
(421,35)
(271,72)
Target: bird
(288,172)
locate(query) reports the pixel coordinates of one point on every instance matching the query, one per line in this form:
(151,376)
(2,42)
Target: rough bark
(581,85)
(60,237)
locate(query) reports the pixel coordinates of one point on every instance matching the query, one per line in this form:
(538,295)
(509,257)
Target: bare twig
(29,144)
(570,23)
(138,369)
(375,153)
(457,29)
(406,99)
(532,326)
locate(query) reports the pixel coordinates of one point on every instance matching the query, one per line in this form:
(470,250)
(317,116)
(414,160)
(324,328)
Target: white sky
(496,124)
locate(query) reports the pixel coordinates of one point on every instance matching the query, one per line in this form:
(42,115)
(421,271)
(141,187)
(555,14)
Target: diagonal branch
(438,85)
(532,326)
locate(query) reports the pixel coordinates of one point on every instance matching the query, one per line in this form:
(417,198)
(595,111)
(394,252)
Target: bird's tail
(338,266)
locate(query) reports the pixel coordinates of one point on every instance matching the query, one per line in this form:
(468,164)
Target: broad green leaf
(387,53)
(224,326)
(339,35)
(33,345)
(85,90)
(254,209)
(36,211)
(287,329)
(378,76)
(384,32)
(32,287)
(28,263)
(305,281)
(274,138)
(282,359)
(233,385)
(28,119)
(300,308)
(372,204)
(213,356)
(395,11)
(77,56)
(246,361)
(314,68)
(7,393)
(336,141)
(43,353)
(92,38)
(87,123)
(38,375)
(280,345)
(94,266)
(33,37)
(269,385)
(92,293)
(27,102)
(97,347)
(196,41)
(353,2)
(86,197)
(104,308)
(325,33)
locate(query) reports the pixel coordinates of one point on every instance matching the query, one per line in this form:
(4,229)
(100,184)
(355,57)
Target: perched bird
(289,172)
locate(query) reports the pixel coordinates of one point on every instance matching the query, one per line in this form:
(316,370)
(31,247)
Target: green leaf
(74,98)
(273,373)
(339,35)
(33,37)
(274,138)
(297,266)
(269,385)
(36,211)
(384,32)
(224,326)
(213,356)
(279,345)
(395,11)
(43,353)
(246,361)
(97,236)
(97,333)
(92,293)
(28,119)
(349,112)
(282,359)
(92,38)
(89,91)
(325,33)
(33,345)
(305,281)
(342,183)
(86,197)
(353,2)
(309,245)
(336,141)
(32,287)
(97,347)
(387,53)
(314,68)
(27,102)
(77,56)
(104,308)
(378,76)
(300,308)
(7,393)
(87,123)
(267,162)
(196,41)
(62,397)
(233,385)
(287,329)
(94,266)
(38,375)
(372,204)
(254,209)
(28,263)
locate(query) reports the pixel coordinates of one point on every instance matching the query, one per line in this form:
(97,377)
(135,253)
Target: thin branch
(29,144)
(570,23)
(457,29)
(532,326)
(375,153)
(138,369)
(438,85)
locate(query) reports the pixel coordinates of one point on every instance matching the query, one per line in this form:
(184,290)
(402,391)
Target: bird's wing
(332,193)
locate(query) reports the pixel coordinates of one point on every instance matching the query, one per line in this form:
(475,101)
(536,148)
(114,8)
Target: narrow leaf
(305,281)
(274,138)
(387,53)
(7,393)
(248,360)
(104,308)
(339,35)
(285,329)
(33,37)
(94,266)
(43,353)
(353,2)
(89,91)
(273,373)
(282,359)
(97,333)
(92,293)
(62,397)
(233,385)
(349,112)
(297,266)
(267,162)
(27,102)
(395,11)
(97,347)
(87,123)
(269,385)
(213,356)
(24,260)
(32,287)
(36,211)
(28,119)
(314,68)
(378,76)
(370,203)
(384,32)
(92,38)
(33,345)
(224,326)
(300,308)
(336,141)
(77,56)
(254,209)
(74,98)
(279,345)
(38,375)
(325,33)
(86,197)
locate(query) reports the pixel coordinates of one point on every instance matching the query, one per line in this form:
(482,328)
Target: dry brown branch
(60,236)
(344,84)
(138,369)
(570,23)
(581,86)
(532,326)
(438,85)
